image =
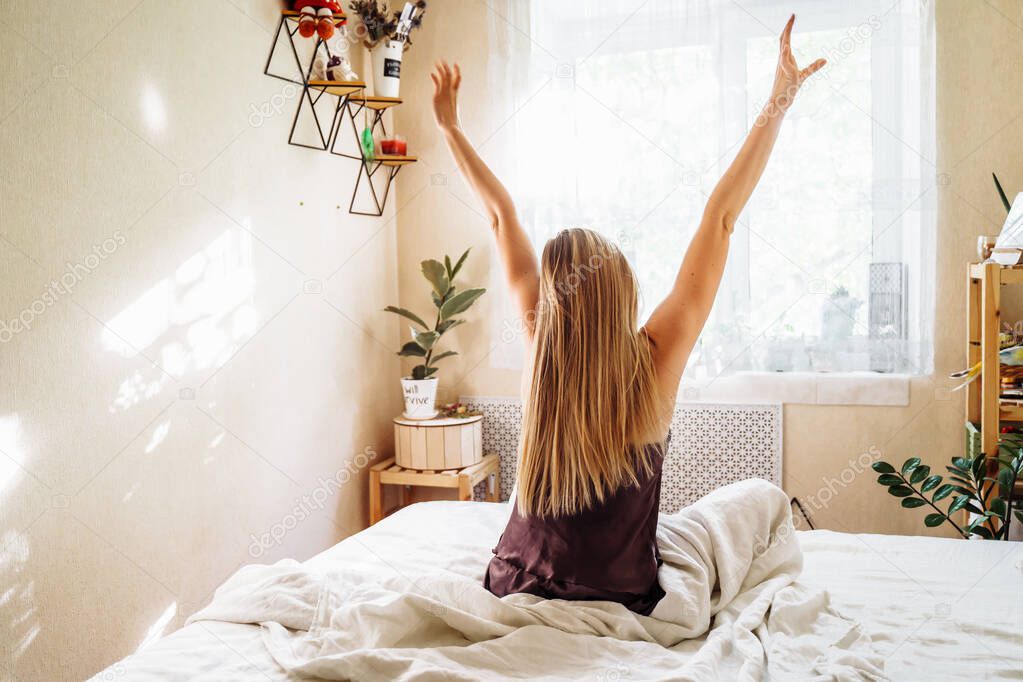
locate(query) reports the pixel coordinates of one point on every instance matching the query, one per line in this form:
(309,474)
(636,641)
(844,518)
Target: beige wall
(216,369)
(980,48)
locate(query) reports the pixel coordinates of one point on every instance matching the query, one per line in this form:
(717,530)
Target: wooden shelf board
(1009,274)
(1010,410)
(338,87)
(376,102)
(292,13)
(392,474)
(395,160)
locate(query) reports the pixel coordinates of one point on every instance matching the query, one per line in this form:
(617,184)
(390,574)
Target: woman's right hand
(446,80)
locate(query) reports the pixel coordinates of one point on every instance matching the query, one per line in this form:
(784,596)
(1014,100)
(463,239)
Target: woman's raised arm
(675,325)
(514,247)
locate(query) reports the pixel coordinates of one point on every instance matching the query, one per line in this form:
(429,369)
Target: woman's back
(586,504)
(606,552)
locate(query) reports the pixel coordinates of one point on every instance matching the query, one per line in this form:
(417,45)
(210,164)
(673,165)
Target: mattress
(937,609)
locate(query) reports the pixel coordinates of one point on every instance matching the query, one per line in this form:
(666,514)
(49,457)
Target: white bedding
(936,609)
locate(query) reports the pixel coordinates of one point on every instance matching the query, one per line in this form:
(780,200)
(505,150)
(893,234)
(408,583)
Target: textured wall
(216,360)
(979,50)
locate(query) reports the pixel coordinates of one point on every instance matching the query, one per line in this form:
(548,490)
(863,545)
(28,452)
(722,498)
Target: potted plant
(387,38)
(420,388)
(839,315)
(989,499)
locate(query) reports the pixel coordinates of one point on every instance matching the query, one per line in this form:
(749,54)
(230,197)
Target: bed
(936,609)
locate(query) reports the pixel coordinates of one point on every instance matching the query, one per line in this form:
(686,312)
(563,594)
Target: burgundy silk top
(608,552)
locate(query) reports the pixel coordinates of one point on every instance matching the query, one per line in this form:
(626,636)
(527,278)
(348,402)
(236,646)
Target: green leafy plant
(449,302)
(1001,194)
(988,498)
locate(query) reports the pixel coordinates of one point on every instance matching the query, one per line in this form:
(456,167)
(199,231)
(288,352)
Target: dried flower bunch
(381,23)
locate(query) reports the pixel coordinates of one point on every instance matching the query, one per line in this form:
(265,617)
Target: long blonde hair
(592,398)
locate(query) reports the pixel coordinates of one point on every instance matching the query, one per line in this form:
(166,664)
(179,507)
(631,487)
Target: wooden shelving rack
(985,407)
(352,100)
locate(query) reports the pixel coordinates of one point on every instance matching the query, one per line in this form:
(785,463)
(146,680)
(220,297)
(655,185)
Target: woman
(601,390)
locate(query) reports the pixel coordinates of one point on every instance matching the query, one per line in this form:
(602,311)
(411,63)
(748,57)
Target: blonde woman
(600,389)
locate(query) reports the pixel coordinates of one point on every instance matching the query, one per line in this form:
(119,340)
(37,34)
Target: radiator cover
(712,445)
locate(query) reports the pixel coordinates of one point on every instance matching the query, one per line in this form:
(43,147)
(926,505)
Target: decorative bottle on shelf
(367,143)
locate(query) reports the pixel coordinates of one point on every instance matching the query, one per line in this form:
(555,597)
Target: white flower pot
(387,67)
(420,397)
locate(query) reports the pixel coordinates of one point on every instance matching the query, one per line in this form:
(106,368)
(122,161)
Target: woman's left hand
(789,77)
(446,80)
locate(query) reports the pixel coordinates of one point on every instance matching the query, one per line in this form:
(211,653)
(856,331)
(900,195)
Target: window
(623,117)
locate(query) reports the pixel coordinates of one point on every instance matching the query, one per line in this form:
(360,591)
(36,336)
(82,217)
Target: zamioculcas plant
(449,302)
(989,499)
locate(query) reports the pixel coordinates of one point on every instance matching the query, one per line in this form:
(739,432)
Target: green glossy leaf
(1006,479)
(430,371)
(419,372)
(412,349)
(447,268)
(932,520)
(448,324)
(943,492)
(997,507)
(960,480)
(445,354)
(977,466)
(435,273)
(883,467)
(912,502)
(407,314)
(910,464)
(930,484)
(958,503)
(426,339)
(982,532)
(460,302)
(889,479)
(900,491)
(1001,194)
(459,263)
(962,463)
(920,473)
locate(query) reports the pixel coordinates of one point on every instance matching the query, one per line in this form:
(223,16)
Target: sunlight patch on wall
(159,434)
(192,320)
(18,628)
(135,389)
(153,109)
(11,453)
(155,631)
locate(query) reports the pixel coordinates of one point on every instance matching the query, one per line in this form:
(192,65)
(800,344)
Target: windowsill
(806,388)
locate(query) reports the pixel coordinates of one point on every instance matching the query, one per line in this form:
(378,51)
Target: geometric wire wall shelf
(350,100)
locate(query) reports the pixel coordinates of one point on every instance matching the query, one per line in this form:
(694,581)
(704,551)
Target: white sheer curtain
(621,116)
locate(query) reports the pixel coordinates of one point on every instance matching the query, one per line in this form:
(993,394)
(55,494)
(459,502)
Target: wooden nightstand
(463,480)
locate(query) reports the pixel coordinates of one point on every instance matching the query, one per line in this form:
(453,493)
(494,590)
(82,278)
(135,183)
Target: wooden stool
(464,480)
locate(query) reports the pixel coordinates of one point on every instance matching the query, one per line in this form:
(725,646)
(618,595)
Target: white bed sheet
(937,609)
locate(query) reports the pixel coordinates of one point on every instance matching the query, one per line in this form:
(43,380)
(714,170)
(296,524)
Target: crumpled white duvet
(732,611)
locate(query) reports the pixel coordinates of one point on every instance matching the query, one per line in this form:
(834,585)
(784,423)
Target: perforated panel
(712,444)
